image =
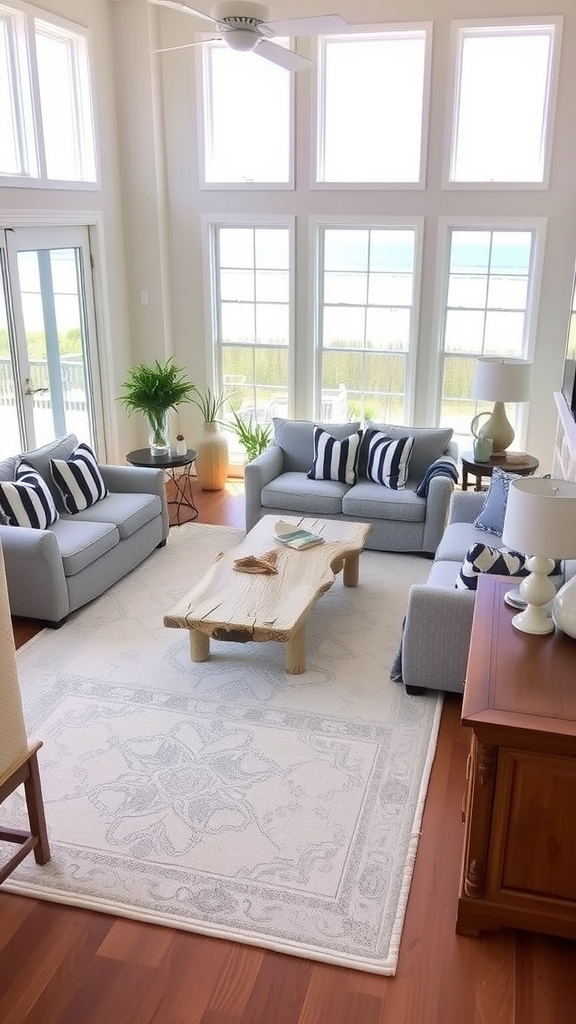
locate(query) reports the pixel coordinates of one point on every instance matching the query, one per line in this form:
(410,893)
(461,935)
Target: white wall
(153,232)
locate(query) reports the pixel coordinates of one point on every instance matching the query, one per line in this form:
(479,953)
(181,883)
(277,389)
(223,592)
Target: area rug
(228,797)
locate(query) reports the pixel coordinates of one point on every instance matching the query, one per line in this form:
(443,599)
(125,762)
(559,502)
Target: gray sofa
(52,572)
(436,637)
(276,484)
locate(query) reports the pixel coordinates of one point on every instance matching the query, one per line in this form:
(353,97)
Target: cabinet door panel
(533,833)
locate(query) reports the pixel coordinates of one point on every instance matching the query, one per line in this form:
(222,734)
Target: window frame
(317,226)
(202,92)
(538,227)
(27,86)
(210,224)
(458,31)
(397,30)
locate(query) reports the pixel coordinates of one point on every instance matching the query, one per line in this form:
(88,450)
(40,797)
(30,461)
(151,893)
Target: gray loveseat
(52,572)
(276,484)
(438,624)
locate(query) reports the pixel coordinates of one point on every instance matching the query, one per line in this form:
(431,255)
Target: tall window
(489,299)
(503,104)
(252,292)
(373,93)
(46,119)
(366,313)
(246,131)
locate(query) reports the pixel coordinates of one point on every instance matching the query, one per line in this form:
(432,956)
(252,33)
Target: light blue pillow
(491,518)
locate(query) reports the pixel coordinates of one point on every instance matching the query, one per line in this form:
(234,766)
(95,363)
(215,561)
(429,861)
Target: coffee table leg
(351,572)
(296,652)
(199,646)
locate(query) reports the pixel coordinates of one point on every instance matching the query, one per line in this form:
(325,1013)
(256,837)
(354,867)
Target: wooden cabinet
(519,864)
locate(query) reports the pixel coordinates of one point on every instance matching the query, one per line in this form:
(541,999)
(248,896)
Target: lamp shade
(541,517)
(502,380)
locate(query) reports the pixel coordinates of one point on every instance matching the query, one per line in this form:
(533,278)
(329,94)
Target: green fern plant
(153,390)
(254,437)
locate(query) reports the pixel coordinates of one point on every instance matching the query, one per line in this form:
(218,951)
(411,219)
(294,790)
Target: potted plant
(154,390)
(254,437)
(212,458)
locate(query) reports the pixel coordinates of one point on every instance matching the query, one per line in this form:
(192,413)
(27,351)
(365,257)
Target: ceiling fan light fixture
(242,39)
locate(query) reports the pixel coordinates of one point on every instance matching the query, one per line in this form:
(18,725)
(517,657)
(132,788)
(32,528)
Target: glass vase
(158,433)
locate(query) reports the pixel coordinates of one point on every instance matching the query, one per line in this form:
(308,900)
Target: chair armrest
(437,637)
(34,573)
(138,480)
(265,468)
(466,505)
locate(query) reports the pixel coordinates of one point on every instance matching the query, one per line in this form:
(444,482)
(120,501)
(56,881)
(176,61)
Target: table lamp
(499,380)
(540,520)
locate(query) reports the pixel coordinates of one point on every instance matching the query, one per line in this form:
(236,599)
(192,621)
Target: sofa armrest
(437,508)
(265,468)
(437,637)
(138,480)
(37,586)
(466,505)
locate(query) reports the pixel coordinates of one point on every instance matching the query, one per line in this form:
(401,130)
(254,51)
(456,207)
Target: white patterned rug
(228,797)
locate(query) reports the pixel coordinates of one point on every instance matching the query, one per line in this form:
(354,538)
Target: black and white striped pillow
(26,501)
(78,479)
(388,460)
(334,460)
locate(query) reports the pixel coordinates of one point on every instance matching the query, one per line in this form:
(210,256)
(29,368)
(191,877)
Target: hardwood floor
(62,965)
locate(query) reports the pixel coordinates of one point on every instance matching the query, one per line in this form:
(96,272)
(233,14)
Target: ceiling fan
(244,26)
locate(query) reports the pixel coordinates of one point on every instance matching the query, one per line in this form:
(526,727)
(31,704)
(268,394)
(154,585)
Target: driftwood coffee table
(241,607)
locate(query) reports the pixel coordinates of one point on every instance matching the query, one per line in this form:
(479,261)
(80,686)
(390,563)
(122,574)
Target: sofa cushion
(491,518)
(295,493)
(296,438)
(127,512)
(27,501)
(429,444)
(367,500)
(456,540)
(82,543)
(334,460)
(388,460)
(8,467)
(78,479)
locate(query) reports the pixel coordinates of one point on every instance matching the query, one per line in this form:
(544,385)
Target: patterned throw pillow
(334,460)
(388,460)
(78,479)
(482,558)
(491,518)
(26,501)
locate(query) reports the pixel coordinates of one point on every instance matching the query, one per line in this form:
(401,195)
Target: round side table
(169,463)
(513,462)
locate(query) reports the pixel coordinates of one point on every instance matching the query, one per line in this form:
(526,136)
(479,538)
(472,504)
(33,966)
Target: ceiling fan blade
(186,46)
(176,5)
(280,55)
(323,25)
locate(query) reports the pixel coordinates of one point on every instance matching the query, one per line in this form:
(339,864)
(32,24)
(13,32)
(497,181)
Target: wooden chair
(18,757)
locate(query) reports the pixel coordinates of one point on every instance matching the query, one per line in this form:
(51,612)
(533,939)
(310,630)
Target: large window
(490,297)
(366,326)
(46,119)
(252,274)
(246,130)
(505,83)
(372,114)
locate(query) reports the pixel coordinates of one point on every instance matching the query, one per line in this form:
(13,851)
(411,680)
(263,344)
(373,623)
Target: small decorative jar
(181,446)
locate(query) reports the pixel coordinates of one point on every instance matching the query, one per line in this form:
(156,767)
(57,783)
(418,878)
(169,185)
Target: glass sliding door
(49,382)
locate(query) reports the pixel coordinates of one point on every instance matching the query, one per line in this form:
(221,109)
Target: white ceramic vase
(564,608)
(212,459)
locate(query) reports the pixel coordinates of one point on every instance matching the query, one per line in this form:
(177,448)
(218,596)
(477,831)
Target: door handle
(33,391)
